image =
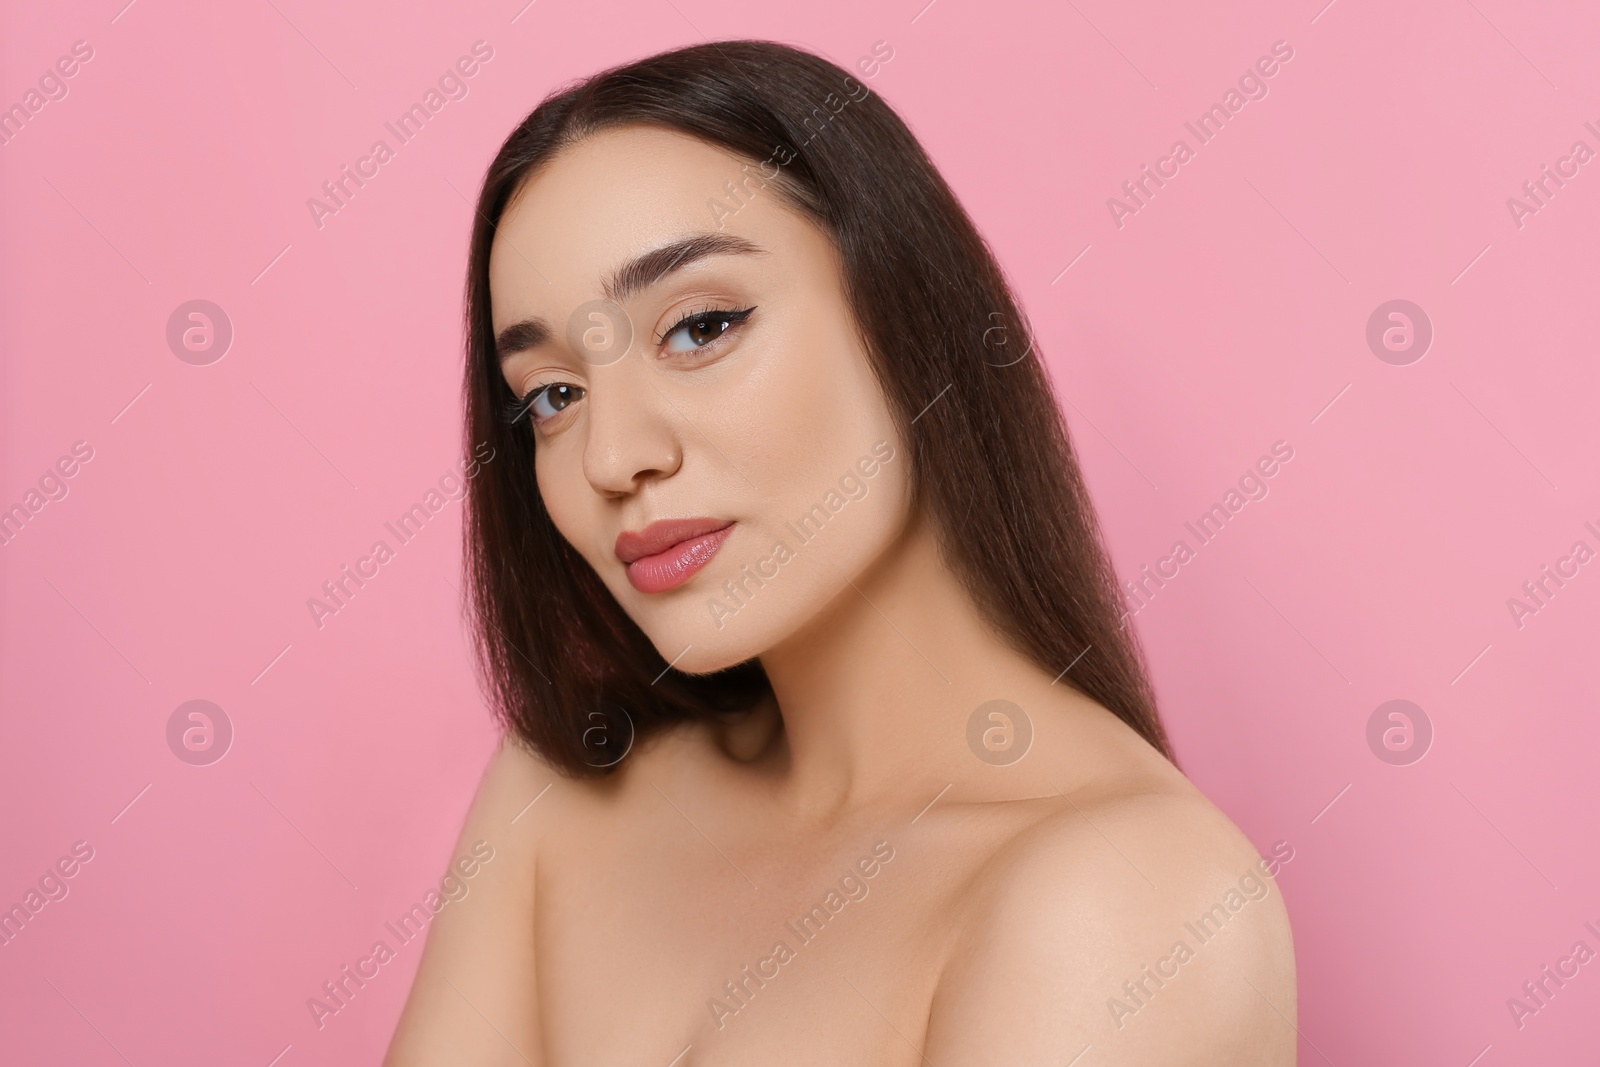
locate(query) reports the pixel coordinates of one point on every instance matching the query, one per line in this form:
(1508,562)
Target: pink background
(1227,314)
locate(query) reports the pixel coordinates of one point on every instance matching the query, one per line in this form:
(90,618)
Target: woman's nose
(631,427)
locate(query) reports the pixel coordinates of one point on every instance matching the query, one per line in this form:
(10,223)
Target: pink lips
(668,552)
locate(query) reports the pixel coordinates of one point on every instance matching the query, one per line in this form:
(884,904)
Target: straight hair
(566,669)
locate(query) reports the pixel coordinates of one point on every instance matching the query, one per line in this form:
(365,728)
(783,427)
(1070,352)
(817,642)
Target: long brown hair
(565,666)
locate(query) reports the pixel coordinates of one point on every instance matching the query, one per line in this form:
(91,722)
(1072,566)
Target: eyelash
(734,316)
(516,408)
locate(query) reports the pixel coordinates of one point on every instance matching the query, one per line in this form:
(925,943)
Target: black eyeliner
(734,317)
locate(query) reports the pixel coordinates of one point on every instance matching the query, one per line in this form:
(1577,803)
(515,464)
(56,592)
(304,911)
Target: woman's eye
(699,330)
(549,401)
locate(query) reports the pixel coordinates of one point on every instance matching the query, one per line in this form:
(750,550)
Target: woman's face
(758,419)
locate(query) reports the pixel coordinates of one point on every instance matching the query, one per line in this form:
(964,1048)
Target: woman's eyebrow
(636,275)
(519,336)
(646,269)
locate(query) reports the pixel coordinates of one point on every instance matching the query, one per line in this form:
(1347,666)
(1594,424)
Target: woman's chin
(706,657)
(698,646)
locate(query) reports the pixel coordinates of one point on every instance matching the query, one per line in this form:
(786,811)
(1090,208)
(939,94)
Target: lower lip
(670,569)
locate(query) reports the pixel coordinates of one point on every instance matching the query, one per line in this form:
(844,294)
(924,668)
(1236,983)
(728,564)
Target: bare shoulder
(475,989)
(1137,921)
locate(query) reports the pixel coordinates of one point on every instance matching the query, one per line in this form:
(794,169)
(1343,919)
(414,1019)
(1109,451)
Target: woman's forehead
(608,199)
(625,178)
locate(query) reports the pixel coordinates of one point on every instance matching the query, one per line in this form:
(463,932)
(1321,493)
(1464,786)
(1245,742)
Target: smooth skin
(1016,900)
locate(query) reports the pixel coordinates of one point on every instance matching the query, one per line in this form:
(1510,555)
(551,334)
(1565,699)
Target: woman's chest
(668,948)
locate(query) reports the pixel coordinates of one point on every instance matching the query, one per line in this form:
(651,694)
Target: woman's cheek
(560,487)
(781,396)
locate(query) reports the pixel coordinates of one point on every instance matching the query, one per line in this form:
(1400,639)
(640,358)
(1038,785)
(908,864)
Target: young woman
(826,742)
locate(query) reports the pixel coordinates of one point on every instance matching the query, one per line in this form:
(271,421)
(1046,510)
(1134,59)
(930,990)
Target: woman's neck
(875,693)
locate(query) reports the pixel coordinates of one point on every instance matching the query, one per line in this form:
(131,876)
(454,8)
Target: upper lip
(662,535)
